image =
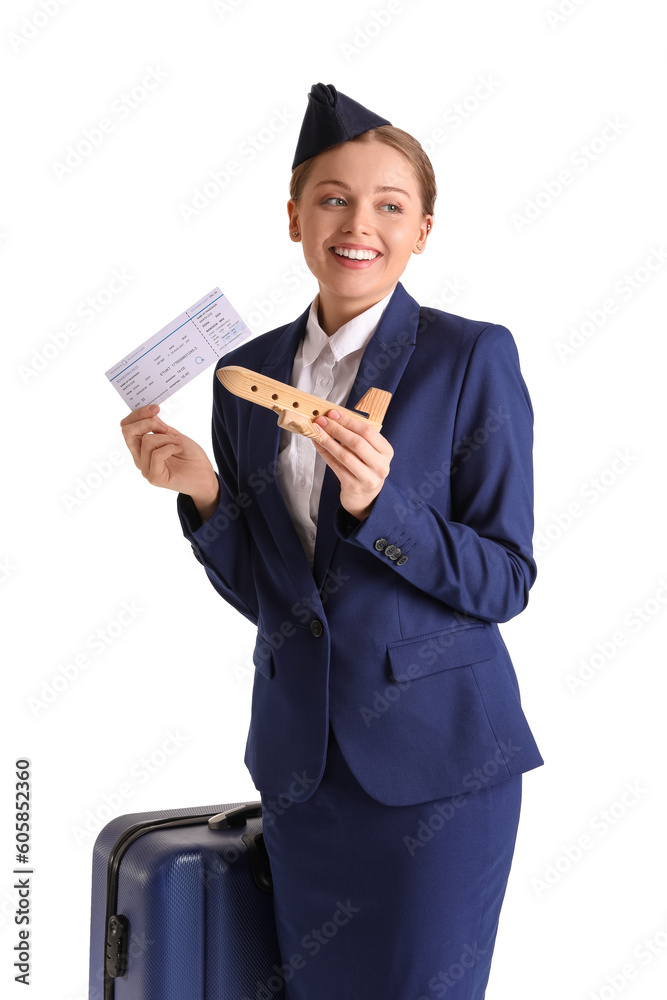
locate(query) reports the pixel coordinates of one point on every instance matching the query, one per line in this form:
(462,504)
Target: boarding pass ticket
(179,352)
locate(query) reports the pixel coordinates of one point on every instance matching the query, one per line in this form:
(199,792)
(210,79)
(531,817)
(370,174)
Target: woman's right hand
(169,459)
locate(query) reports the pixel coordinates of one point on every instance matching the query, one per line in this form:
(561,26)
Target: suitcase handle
(235,817)
(259,860)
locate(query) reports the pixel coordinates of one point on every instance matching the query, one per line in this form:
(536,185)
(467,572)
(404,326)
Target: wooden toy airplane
(296,410)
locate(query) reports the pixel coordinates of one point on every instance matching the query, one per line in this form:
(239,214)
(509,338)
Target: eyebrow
(384,187)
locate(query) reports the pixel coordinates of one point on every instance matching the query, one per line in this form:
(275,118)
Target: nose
(358,218)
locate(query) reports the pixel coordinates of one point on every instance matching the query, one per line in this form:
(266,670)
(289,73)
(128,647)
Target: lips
(356,247)
(354,263)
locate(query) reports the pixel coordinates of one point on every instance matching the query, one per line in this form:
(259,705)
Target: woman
(387,738)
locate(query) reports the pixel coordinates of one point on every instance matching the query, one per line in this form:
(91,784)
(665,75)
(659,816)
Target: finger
(362,462)
(158,473)
(347,429)
(150,443)
(141,427)
(151,410)
(136,433)
(346,437)
(374,461)
(341,471)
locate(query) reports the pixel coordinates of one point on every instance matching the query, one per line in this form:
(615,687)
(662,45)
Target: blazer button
(381,544)
(392,552)
(316,627)
(403,559)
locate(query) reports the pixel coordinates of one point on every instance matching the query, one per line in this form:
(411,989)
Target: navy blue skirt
(392,902)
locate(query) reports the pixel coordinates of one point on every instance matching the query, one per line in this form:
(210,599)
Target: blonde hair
(391,136)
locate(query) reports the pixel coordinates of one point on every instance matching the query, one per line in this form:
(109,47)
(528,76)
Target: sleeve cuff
(190,516)
(345,522)
(385,531)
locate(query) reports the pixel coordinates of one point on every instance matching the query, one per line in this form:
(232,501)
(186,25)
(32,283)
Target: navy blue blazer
(392,635)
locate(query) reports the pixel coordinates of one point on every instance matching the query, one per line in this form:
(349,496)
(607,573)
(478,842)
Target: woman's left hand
(358,454)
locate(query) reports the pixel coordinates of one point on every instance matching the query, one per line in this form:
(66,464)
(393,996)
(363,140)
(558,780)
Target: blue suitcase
(182,908)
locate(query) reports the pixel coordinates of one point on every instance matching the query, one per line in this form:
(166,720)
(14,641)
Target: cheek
(403,243)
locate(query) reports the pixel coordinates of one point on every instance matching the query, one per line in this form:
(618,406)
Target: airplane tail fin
(374,403)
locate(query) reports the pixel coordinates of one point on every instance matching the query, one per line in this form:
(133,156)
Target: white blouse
(326,367)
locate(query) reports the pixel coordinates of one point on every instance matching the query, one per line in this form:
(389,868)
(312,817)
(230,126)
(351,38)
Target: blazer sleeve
(480,560)
(223,543)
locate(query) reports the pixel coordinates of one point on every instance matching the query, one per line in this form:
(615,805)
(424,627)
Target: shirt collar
(352,336)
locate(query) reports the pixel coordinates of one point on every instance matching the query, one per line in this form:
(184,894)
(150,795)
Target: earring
(295,233)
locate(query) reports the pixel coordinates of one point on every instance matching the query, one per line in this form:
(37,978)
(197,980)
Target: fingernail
(334,413)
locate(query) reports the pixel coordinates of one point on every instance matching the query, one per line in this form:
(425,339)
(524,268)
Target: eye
(334,198)
(396,208)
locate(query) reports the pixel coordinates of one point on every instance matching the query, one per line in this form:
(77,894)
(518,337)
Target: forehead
(364,165)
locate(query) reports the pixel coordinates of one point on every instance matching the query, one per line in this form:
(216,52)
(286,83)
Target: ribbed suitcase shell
(199,926)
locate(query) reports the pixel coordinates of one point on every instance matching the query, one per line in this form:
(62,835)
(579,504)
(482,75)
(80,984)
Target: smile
(355,258)
(355,254)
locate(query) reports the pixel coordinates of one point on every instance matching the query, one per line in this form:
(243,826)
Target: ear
(293,214)
(424,230)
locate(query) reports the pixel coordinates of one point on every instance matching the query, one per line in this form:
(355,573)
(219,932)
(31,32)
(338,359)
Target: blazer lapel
(382,364)
(263,442)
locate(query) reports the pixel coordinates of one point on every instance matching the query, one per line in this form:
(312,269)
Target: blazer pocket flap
(429,654)
(262,656)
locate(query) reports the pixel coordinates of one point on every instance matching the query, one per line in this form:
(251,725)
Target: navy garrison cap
(331,118)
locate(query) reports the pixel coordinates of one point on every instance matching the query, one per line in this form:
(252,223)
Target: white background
(218,73)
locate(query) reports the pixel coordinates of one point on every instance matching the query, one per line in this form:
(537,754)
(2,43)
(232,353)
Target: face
(359,197)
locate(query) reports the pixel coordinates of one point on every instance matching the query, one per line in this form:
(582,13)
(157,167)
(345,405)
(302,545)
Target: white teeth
(355,254)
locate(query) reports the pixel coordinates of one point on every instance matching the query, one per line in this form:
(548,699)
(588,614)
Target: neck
(334,312)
